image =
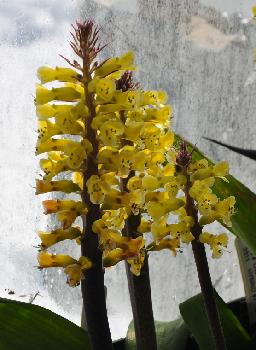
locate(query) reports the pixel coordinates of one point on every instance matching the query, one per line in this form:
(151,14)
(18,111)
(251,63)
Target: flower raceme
(99,117)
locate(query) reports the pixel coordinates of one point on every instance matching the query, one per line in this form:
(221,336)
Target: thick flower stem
(208,294)
(140,291)
(93,291)
(140,295)
(204,274)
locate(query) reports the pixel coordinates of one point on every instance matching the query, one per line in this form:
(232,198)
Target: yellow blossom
(216,242)
(124,62)
(167,243)
(47,74)
(50,238)
(75,271)
(46,259)
(158,209)
(66,186)
(110,132)
(44,95)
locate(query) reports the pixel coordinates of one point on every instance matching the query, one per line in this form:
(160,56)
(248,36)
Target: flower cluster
(99,118)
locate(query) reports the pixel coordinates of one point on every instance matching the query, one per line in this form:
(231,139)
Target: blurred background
(201,53)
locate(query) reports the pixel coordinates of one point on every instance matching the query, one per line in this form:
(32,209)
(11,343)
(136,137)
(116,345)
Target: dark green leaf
(245,152)
(26,326)
(170,335)
(193,313)
(244,221)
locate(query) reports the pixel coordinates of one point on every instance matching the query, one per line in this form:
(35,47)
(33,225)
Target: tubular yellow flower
(124,62)
(44,95)
(216,242)
(50,238)
(55,205)
(156,210)
(75,271)
(46,259)
(167,243)
(47,74)
(66,186)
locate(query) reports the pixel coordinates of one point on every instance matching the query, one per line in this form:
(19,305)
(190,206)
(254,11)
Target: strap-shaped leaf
(244,152)
(193,313)
(26,326)
(244,220)
(170,335)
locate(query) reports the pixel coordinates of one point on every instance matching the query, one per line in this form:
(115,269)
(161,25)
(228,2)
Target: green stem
(93,291)
(204,274)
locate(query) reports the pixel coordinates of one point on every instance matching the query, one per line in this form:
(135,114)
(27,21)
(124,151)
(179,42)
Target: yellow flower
(52,168)
(159,116)
(222,210)
(115,219)
(55,205)
(53,145)
(77,178)
(78,111)
(150,183)
(46,130)
(201,187)
(47,74)
(158,209)
(181,231)
(200,164)
(68,124)
(113,257)
(154,97)
(174,184)
(216,242)
(219,170)
(132,130)
(109,158)
(44,95)
(46,259)
(137,263)
(115,199)
(104,89)
(97,189)
(167,243)
(50,238)
(149,136)
(134,183)
(75,271)
(76,155)
(206,203)
(110,132)
(225,209)
(66,186)
(160,229)
(124,62)
(144,226)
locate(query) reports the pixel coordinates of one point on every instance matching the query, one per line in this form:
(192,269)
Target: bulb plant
(113,141)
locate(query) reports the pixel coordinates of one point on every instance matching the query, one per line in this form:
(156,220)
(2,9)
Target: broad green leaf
(244,220)
(193,313)
(170,335)
(26,326)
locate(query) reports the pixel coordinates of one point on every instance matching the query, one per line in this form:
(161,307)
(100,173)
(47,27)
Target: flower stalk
(183,161)
(92,286)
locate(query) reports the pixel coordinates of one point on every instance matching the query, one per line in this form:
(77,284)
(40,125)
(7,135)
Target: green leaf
(193,313)
(27,326)
(244,220)
(170,335)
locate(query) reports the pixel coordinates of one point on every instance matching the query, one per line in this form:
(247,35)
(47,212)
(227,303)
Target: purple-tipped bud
(184,157)
(126,82)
